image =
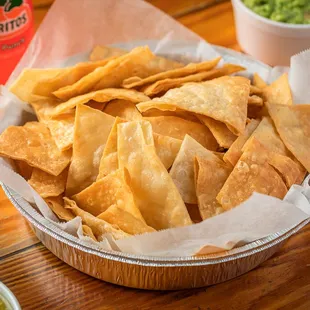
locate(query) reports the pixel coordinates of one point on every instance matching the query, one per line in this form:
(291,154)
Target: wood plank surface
(41,281)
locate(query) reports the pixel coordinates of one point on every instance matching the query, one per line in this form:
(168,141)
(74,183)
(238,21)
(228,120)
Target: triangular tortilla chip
(254,90)
(279,92)
(135,81)
(182,170)
(48,185)
(23,169)
(123,109)
(224,99)
(56,204)
(111,75)
(178,113)
(177,128)
(258,81)
(26,81)
(109,159)
(43,107)
(103,95)
(292,123)
(91,131)
(98,226)
(101,52)
(210,177)
(167,148)
(125,221)
(45,87)
(34,144)
(234,152)
(166,84)
(110,190)
(62,130)
(221,133)
(252,173)
(155,193)
(88,232)
(255,101)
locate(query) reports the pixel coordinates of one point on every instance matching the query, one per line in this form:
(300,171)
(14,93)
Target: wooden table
(41,281)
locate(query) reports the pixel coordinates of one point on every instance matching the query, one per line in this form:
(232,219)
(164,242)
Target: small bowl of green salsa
(273,30)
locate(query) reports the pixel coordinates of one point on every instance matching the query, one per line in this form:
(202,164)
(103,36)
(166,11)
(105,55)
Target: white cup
(271,42)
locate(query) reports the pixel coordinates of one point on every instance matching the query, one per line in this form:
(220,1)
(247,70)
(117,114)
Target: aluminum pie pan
(147,272)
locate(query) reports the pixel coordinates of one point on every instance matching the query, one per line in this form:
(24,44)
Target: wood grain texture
(41,281)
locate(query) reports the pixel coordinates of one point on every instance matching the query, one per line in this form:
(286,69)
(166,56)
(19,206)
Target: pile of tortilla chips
(133,143)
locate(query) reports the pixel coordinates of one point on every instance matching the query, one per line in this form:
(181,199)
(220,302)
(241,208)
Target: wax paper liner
(67,35)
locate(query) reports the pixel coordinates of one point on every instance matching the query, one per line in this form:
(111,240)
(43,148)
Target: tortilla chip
(26,81)
(101,52)
(34,144)
(234,152)
(210,177)
(96,105)
(103,95)
(98,226)
(167,149)
(124,109)
(178,113)
(166,84)
(135,81)
(161,64)
(177,128)
(48,185)
(43,107)
(56,204)
(255,101)
(91,131)
(155,193)
(110,190)
(88,232)
(224,99)
(23,169)
(125,221)
(279,92)
(224,137)
(254,90)
(258,81)
(109,159)
(111,75)
(252,173)
(182,170)
(62,130)
(292,123)
(45,87)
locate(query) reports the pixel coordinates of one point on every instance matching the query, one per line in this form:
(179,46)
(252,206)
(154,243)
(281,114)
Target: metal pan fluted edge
(155,273)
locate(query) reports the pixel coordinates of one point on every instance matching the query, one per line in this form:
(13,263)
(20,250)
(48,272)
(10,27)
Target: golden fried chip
(43,107)
(221,133)
(292,124)
(98,226)
(110,190)
(45,87)
(109,159)
(26,81)
(178,113)
(34,144)
(234,152)
(136,81)
(48,185)
(88,232)
(91,131)
(254,90)
(125,221)
(255,101)
(62,130)
(182,170)
(210,177)
(56,204)
(166,84)
(155,193)
(279,92)
(258,81)
(103,95)
(167,148)
(252,173)
(177,128)
(96,105)
(101,52)
(23,169)
(124,109)
(111,75)
(224,99)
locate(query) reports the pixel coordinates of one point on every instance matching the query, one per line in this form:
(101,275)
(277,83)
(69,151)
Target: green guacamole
(285,11)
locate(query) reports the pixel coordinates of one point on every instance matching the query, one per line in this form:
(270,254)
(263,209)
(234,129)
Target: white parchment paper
(70,30)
